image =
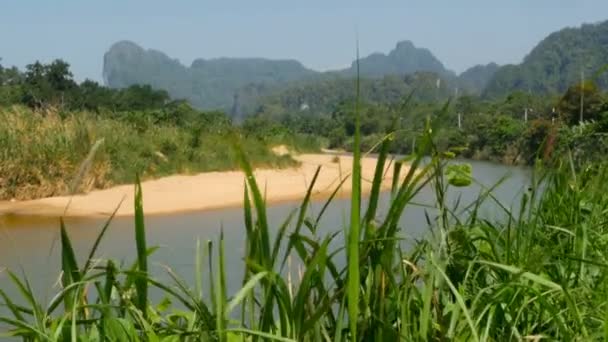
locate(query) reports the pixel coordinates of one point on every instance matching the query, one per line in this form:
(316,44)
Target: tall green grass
(40,152)
(537,272)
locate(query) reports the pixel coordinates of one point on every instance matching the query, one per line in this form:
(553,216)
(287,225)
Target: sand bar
(211,190)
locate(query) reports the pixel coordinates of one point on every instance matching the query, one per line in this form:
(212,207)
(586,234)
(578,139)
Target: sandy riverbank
(206,190)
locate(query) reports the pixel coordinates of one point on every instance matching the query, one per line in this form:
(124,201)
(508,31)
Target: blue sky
(319,33)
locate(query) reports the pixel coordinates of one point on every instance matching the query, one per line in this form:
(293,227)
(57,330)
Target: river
(31,244)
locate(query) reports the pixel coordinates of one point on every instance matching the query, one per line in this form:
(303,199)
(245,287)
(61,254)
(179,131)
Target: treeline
(52,85)
(323,95)
(513,129)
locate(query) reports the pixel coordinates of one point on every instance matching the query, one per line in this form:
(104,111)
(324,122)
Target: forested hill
(323,97)
(404,59)
(237,85)
(214,83)
(477,77)
(556,62)
(209,84)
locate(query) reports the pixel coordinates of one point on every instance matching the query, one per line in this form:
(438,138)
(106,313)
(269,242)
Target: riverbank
(211,190)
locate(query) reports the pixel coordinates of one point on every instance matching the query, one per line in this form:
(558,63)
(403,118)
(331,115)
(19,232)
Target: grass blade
(244,291)
(69,266)
(459,300)
(141,284)
(221,293)
(377,182)
(102,233)
(355,220)
(524,274)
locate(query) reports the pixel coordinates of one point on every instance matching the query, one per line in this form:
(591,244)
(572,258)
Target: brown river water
(30,245)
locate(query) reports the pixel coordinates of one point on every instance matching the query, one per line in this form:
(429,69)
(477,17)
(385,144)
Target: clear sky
(319,33)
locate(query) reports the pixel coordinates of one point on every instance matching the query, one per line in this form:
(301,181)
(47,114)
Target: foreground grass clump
(40,151)
(538,272)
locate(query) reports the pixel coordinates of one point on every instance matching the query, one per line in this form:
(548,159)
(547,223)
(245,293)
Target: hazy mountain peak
(124,62)
(126,45)
(404,45)
(206,83)
(405,49)
(478,76)
(404,59)
(556,62)
(212,83)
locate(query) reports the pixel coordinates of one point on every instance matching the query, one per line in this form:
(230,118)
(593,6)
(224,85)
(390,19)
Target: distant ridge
(214,83)
(234,84)
(477,77)
(404,59)
(557,62)
(209,84)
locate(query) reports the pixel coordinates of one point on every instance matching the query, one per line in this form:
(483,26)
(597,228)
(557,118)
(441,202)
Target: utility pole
(581,118)
(459,117)
(527,105)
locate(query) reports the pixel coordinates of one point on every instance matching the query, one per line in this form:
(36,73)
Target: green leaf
(459,175)
(524,274)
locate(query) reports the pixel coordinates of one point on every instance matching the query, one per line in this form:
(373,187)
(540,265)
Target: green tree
(586,96)
(539,139)
(10,85)
(49,84)
(92,96)
(140,97)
